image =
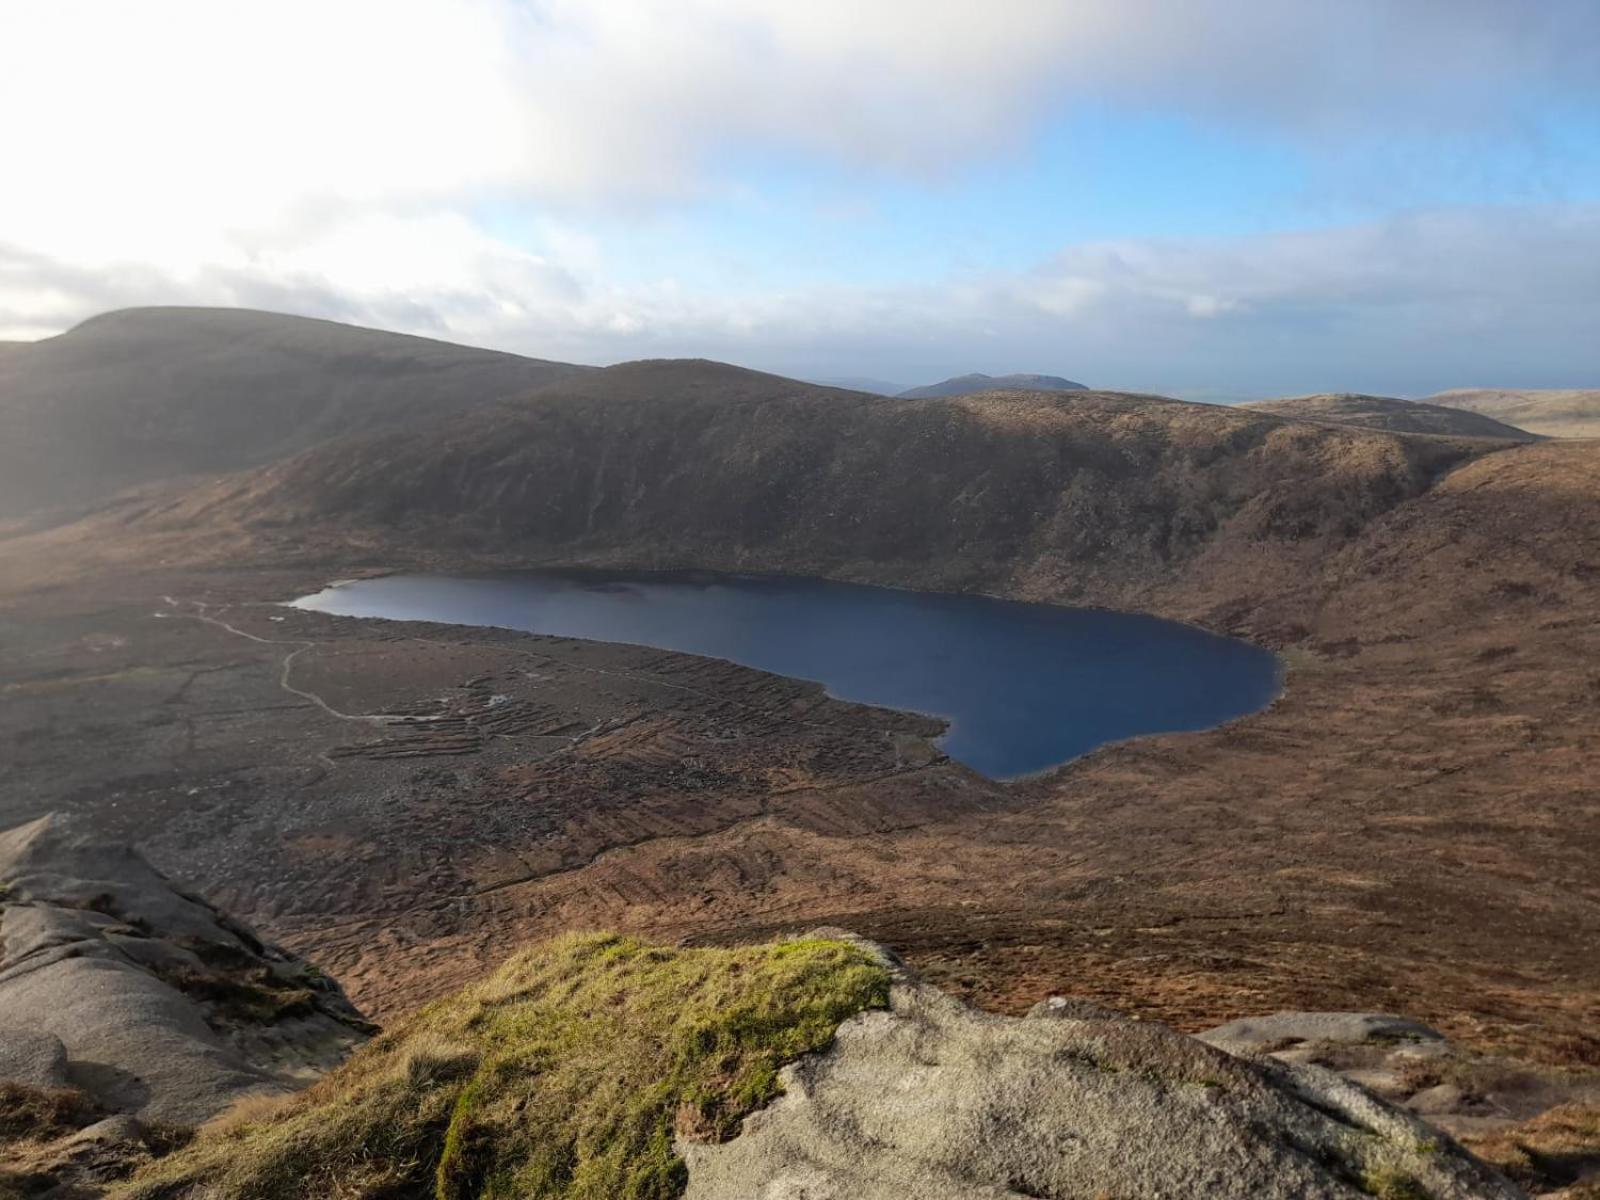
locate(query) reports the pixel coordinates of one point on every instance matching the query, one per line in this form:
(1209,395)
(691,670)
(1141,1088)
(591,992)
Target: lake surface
(1024,686)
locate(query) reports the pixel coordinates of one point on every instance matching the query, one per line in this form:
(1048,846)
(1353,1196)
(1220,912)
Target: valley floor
(1413,827)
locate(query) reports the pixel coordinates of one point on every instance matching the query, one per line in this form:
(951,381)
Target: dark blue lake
(1024,686)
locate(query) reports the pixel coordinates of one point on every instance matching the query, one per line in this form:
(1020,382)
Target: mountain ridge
(1389,413)
(1094,497)
(966,385)
(1562,412)
(138,395)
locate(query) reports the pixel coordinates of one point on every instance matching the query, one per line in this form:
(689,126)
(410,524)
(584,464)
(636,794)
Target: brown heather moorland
(1552,412)
(1411,827)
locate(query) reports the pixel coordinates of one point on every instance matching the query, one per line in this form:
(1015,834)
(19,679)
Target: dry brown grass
(1559,1148)
(30,1119)
(30,1114)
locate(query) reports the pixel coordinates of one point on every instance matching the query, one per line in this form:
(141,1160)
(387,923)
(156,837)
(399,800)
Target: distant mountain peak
(141,394)
(966,385)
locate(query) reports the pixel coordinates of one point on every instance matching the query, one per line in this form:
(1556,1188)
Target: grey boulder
(931,1099)
(116,982)
(1256,1034)
(32,1058)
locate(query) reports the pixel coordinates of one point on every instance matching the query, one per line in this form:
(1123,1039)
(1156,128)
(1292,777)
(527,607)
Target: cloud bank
(1412,304)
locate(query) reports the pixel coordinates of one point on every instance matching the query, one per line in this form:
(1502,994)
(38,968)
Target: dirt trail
(287,665)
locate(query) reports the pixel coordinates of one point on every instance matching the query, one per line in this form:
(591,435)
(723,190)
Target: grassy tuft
(253,997)
(31,1114)
(1387,1183)
(565,1074)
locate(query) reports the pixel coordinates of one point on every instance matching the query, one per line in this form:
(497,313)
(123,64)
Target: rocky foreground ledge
(131,1010)
(599,1066)
(930,1098)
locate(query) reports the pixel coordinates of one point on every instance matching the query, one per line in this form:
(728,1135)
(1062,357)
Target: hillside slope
(968,385)
(148,393)
(1388,413)
(1573,412)
(1093,496)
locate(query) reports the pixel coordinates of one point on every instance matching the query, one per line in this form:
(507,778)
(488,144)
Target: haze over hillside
(1387,412)
(966,385)
(685,462)
(1572,412)
(149,393)
(425,446)
(859,383)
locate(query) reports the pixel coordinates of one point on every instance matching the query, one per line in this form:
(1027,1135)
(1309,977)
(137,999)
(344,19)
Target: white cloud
(1405,305)
(151,115)
(643,94)
(1210,306)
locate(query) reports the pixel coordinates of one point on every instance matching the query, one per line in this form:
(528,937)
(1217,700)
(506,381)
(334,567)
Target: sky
(1217,199)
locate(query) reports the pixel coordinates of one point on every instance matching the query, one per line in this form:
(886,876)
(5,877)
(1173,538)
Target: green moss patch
(1388,1183)
(565,1074)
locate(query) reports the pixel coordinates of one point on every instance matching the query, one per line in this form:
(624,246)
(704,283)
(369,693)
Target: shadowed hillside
(1095,496)
(967,385)
(1574,412)
(1386,412)
(149,393)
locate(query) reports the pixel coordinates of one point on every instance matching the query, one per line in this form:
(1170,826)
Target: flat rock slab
(1250,1034)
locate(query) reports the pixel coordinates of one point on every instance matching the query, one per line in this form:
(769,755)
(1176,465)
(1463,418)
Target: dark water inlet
(1024,686)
